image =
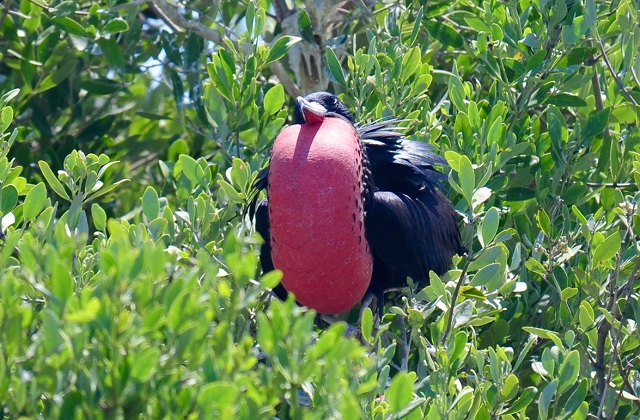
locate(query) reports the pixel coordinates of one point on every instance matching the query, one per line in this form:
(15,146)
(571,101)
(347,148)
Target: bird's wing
(262,227)
(411,226)
(259,184)
(413,234)
(260,211)
(398,164)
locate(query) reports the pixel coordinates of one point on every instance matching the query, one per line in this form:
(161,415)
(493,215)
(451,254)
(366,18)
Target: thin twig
(287,82)
(612,184)
(624,373)
(454,298)
(606,327)
(179,23)
(128,4)
(163,16)
(282,10)
(176,20)
(5,12)
(597,95)
(617,79)
(634,75)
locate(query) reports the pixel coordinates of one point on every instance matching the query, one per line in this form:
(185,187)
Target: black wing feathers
(398,164)
(410,225)
(412,234)
(262,227)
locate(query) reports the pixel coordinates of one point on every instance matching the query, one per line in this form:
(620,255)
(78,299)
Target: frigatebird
(351,209)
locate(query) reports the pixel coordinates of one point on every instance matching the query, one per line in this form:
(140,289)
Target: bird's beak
(312,112)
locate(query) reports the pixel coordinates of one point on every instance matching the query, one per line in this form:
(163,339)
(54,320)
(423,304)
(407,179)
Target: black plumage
(411,227)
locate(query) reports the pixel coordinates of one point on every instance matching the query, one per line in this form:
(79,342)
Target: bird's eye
(333,101)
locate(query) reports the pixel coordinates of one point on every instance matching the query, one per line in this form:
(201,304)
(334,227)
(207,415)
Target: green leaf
(96,129)
(546,396)
(274,99)
(485,275)
(550,335)
(572,33)
(106,189)
(240,173)
(494,135)
(445,34)
(150,203)
(230,191)
(280,47)
(34,202)
(536,60)
(607,249)
(52,180)
(566,100)
(177,148)
(456,93)
(544,222)
(575,400)
(478,24)
(586,315)
(116,25)
(171,47)
(3,370)
(535,266)
(145,364)
(489,226)
(101,86)
(576,56)
(557,130)
(62,284)
(410,63)
(305,26)
(219,394)
(6,116)
(400,392)
(596,124)
(486,257)
(367,324)
(99,217)
(568,373)
(73,215)
(335,68)
(9,199)
(528,394)
(189,166)
(69,25)
(271,279)
(532,40)
(417,24)
(8,97)
(510,388)
(112,52)
(467,178)
(53,79)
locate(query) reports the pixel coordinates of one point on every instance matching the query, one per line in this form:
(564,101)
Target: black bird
(332,183)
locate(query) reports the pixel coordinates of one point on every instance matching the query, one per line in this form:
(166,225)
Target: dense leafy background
(131,133)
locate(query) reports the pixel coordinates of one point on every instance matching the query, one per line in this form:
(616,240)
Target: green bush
(131,133)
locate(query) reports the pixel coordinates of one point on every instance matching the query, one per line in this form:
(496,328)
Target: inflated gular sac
(316,214)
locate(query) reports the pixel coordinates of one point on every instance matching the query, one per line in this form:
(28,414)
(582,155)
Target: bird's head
(317,106)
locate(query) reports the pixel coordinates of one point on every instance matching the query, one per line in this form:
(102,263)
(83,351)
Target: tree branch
(180,23)
(619,82)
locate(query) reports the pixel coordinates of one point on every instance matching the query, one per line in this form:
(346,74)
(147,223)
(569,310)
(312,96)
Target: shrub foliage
(130,135)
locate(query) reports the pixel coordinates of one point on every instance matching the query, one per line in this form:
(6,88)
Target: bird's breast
(316,215)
